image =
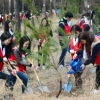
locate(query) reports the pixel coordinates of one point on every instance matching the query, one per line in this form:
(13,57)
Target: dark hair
(46,21)
(6,26)
(86,27)
(76,28)
(68,14)
(5,36)
(87,14)
(22,41)
(89,37)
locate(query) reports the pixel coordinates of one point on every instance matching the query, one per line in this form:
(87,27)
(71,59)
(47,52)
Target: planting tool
(41,88)
(67,87)
(27,89)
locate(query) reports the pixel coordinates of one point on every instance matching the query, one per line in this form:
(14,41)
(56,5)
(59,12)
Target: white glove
(14,72)
(83,66)
(72,51)
(75,56)
(5,59)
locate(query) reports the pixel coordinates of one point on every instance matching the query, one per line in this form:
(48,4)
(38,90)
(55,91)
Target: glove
(75,56)
(72,51)
(83,66)
(5,59)
(14,72)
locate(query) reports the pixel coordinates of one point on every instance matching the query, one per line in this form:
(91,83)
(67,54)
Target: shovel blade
(67,87)
(28,90)
(43,89)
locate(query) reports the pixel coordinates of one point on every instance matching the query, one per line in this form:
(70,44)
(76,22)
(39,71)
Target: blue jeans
(63,54)
(23,77)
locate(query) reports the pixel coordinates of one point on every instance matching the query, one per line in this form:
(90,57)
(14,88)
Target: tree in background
(17,20)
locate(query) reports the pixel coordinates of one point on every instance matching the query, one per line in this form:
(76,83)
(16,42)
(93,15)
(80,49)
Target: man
(64,24)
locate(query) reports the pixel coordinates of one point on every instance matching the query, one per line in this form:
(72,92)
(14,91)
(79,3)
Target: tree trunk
(3,1)
(17,20)
(44,8)
(10,14)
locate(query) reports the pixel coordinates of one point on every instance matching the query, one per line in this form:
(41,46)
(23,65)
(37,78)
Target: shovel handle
(16,74)
(37,77)
(68,75)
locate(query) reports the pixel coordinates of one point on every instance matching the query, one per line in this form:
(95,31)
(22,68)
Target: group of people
(13,54)
(81,42)
(84,44)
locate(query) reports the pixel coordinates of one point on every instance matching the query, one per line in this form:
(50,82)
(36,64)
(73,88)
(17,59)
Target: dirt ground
(49,77)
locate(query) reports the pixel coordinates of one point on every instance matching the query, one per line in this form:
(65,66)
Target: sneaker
(95,91)
(37,67)
(61,66)
(66,64)
(43,67)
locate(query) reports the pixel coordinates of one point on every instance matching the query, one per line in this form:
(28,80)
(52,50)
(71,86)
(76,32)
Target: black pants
(40,54)
(78,80)
(7,78)
(97,84)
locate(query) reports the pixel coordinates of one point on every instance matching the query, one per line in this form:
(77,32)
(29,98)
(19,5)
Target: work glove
(14,72)
(5,59)
(72,51)
(83,66)
(75,56)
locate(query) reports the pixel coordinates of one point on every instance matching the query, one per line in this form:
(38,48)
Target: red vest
(1,63)
(97,60)
(75,47)
(2,54)
(21,68)
(67,29)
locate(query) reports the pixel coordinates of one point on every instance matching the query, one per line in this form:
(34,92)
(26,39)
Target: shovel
(27,89)
(41,88)
(67,87)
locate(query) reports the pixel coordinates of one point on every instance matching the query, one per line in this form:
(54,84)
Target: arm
(79,53)
(95,51)
(18,59)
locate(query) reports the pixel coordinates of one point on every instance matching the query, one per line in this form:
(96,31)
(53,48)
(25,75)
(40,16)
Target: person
(8,28)
(84,20)
(44,27)
(64,23)
(5,39)
(92,13)
(92,44)
(74,48)
(18,55)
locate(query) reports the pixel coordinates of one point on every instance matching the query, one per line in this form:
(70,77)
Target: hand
(72,51)
(14,72)
(83,66)
(5,59)
(14,63)
(75,56)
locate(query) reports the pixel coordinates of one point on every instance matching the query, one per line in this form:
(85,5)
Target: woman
(8,28)
(74,48)
(92,44)
(19,56)
(44,27)
(5,40)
